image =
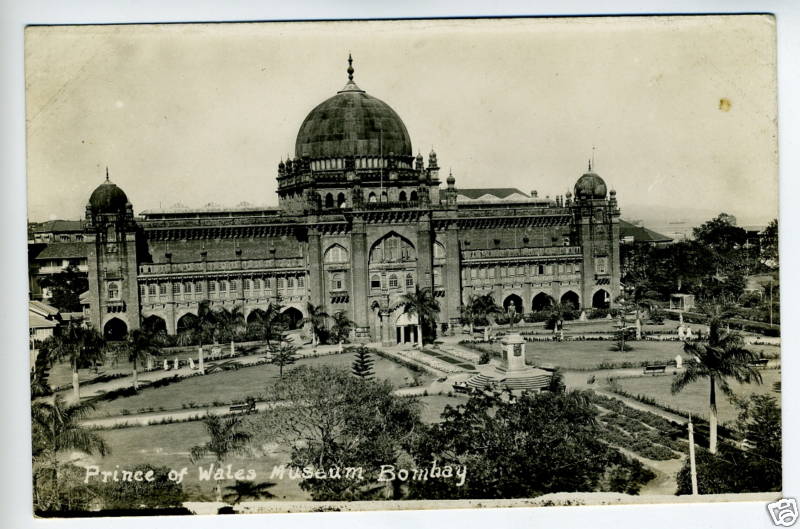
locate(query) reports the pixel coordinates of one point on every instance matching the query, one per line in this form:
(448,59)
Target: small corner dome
(590,186)
(108,198)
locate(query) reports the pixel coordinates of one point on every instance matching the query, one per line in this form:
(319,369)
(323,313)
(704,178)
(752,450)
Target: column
(452,280)
(316,285)
(386,337)
(360,274)
(424,253)
(587,266)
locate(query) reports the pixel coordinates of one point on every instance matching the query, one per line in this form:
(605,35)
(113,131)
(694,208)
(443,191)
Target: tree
(340,330)
(267,324)
(138,346)
(81,345)
(362,363)
(316,319)
(226,439)
(769,245)
(754,468)
(332,419)
(720,357)
(282,354)
(65,288)
(516,447)
(721,234)
(243,490)
(56,429)
(483,308)
(422,304)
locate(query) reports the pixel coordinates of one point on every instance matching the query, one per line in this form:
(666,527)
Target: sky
(680,113)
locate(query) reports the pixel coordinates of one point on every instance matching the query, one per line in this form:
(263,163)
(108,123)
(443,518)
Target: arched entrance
(516,301)
(115,330)
(154,325)
(571,298)
(186,322)
(256,316)
(407,328)
(292,318)
(601,299)
(541,301)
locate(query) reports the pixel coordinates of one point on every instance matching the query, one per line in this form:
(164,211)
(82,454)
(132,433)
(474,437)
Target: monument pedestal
(512,372)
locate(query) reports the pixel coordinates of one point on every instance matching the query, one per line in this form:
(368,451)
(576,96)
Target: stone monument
(511,371)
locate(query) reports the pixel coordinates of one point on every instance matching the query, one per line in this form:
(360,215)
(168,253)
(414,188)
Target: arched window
(151,290)
(187,289)
(198,287)
(281,283)
(341,200)
(143,290)
(375,281)
(384,197)
(113,291)
(176,288)
(337,281)
(372,197)
(248,285)
(393,281)
(234,286)
(257,284)
(301,282)
(162,289)
(403,197)
(414,196)
(212,287)
(540,269)
(409,281)
(223,286)
(336,254)
(438,251)
(328,201)
(290,282)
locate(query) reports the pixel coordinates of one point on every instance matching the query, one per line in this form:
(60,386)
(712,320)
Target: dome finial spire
(350,69)
(590,165)
(107,173)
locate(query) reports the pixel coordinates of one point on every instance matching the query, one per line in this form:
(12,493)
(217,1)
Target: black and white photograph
(382,265)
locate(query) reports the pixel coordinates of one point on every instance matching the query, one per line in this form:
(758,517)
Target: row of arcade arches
(541,301)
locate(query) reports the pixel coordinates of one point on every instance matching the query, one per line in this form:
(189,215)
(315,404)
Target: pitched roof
(37,322)
(63,250)
(640,233)
(500,192)
(43,309)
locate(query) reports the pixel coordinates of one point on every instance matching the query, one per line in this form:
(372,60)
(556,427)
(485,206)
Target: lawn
(694,397)
(228,386)
(586,355)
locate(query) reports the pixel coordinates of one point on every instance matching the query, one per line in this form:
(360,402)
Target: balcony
(508,253)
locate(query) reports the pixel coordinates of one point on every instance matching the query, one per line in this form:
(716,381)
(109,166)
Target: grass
(694,397)
(168,445)
(236,385)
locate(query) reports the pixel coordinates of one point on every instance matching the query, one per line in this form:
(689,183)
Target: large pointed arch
(391,248)
(115,330)
(570,297)
(336,253)
(541,301)
(601,299)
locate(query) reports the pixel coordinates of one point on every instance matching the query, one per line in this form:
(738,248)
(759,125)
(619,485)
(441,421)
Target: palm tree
(316,319)
(340,329)
(139,345)
(56,429)
(720,357)
(422,303)
(82,346)
(483,309)
(226,438)
(242,490)
(231,323)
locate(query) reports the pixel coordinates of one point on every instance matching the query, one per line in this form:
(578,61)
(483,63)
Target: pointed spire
(590,165)
(350,69)
(107,173)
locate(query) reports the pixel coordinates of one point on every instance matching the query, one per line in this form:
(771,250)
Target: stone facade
(354,230)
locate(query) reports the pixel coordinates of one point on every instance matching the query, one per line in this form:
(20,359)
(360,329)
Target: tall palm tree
(341,326)
(139,345)
(56,429)
(81,345)
(422,304)
(316,318)
(719,358)
(231,323)
(226,438)
(484,309)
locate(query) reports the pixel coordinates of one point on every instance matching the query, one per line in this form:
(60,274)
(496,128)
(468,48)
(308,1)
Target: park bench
(245,407)
(761,362)
(652,370)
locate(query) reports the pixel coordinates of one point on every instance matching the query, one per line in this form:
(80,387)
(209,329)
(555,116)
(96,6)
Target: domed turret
(433,163)
(108,198)
(590,186)
(418,164)
(451,180)
(352,123)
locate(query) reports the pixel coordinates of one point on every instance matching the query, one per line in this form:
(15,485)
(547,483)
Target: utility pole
(770,301)
(692,466)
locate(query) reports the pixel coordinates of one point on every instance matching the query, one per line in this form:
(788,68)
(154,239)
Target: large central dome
(352,123)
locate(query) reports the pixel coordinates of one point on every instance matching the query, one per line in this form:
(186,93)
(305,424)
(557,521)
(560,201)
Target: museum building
(360,221)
